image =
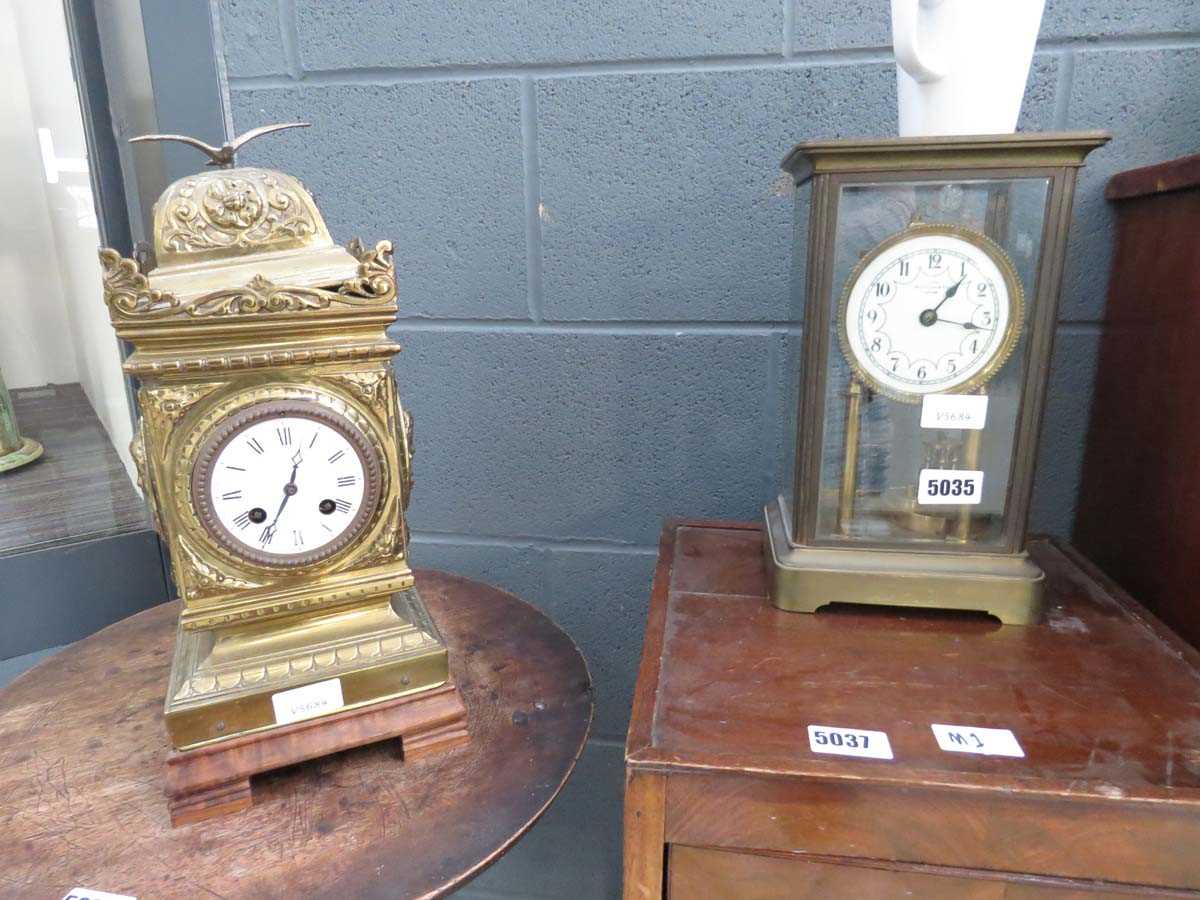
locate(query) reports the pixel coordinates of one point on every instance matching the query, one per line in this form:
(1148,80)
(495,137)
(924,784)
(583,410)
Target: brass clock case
(251,311)
(1012,283)
(845,529)
(227,429)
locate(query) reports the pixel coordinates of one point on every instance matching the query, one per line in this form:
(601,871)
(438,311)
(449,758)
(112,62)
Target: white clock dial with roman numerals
(287,489)
(930,312)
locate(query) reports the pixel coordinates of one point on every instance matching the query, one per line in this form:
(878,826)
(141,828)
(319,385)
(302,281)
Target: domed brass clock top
(933,309)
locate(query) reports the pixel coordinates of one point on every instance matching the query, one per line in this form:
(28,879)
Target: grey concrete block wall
(418,33)
(663,198)
(593,245)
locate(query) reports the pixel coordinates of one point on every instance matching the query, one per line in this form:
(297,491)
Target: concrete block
(252,37)
(435,167)
(663,195)
(1150,101)
(514,567)
(575,849)
(1106,18)
(583,435)
(841,26)
(413,33)
(1041,92)
(1064,431)
(601,599)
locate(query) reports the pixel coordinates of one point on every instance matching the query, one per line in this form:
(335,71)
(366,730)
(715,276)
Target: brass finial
(222,156)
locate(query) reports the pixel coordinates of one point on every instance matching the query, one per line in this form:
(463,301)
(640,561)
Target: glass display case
(932,271)
(77,549)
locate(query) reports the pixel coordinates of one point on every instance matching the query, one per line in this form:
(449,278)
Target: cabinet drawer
(701,872)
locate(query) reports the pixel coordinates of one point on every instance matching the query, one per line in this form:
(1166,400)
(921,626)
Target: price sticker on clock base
(954,487)
(849,742)
(308,702)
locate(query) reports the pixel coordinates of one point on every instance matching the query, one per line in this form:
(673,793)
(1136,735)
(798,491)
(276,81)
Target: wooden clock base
(214,780)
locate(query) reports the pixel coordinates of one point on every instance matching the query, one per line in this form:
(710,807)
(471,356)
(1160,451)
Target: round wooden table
(82,746)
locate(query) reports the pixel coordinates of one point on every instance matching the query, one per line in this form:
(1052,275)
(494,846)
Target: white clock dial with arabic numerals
(286,489)
(931,313)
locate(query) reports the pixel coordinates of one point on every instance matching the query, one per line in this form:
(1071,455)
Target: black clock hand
(970,326)
(288,490)
(950,292)
(930,316)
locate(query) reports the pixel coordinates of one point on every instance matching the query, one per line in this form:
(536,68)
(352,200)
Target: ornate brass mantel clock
(275,456)
(932,277)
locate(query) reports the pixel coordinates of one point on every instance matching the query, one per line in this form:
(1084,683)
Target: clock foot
(209,803)
(804,579)
(215,779)
(434,741)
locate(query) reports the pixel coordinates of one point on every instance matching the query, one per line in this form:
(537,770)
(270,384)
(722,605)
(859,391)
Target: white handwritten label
(89,894)
(957,487)
(983,741)
(954,411)
(307,702)
(849,742)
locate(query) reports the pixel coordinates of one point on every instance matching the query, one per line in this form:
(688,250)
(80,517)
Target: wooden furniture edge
(644,846)
(864,819)
(1160,178)
(652,760)
(641,719)
(465,877)
(933,869)
(1140,614)
(642,754)
(645,692)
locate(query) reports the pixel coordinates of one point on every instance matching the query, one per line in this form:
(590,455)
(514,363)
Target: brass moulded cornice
(984,151)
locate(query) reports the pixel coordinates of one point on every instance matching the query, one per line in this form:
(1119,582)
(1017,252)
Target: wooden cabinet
(705,872)
(725,798)
(1140,492)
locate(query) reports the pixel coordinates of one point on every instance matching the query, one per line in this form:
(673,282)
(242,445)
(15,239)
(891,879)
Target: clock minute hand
(950,292)
(297,458)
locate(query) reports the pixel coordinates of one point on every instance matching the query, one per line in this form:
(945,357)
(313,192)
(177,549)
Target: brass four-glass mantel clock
(275,456)
(931,281)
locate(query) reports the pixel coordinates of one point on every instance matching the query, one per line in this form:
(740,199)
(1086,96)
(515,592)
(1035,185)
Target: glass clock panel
(928,312)
(287,485)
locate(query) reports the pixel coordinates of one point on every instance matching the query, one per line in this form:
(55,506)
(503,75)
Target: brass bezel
(1012,282)
(225,430)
